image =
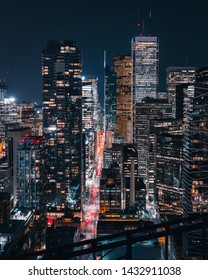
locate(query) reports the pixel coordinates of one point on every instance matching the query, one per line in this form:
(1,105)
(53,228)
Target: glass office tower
(62,122)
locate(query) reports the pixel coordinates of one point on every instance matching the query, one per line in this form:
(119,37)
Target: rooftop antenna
(104,87)
(187,57)
(143,26)
(139,21)
(150,23)
(3,79)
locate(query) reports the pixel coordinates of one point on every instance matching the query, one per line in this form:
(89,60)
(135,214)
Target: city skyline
(94,26)
(72,171)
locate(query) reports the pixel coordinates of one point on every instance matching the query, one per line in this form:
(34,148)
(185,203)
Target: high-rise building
(6,187)
(31,174)
(62,122)
(177,76)
(145,71)
(195,167)
(3,90)
(169,160)
(8,117)
(123,70)
(13,136)
(110,190)
(89,122)
(30,116)
(145,67)
(147,114)
(110,99)
(130,174)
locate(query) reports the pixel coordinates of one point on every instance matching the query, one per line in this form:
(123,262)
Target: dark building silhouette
(4,206)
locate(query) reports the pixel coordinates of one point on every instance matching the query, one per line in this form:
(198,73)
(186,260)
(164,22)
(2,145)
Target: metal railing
(128,238)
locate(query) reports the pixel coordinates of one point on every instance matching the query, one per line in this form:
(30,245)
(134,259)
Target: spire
(150,23)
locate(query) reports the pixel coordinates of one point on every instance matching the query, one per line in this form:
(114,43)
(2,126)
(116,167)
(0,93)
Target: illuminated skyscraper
(146,115)
(89,121)
(145,70)
(89,104)
(169,160)
(62,122)
(177,76)
(195,167)
(123,69)
(145,67)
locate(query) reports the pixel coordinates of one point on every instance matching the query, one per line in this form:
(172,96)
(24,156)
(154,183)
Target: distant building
(147,114)
(110,99)
(13,136)
(177,76)
(3,90)
(123,70)
(31,175)
(169,162)
(145,67)
(89,119)
(130,174)
(30,116)
(8,118)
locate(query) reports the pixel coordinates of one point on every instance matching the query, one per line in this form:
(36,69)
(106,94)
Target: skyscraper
(13,136)
(177,76)
(89,121)
(145,67)
(195,167)
(62,122)
(123,69)
(89,104)
(146,116)
(169,160)
(145,70)
(110,99)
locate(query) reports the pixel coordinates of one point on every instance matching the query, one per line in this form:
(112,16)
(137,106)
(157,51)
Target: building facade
(195,167)
(177,76)
(31,173)
(147,114)
(123,70)
(62,123)
(144,71)
(110,99)
(169,162)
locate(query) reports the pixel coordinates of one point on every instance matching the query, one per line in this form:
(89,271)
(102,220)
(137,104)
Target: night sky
(109,25)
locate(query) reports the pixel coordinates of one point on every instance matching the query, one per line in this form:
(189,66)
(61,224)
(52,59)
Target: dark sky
(26,26)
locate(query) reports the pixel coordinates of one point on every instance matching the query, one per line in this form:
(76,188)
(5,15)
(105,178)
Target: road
(90,209)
